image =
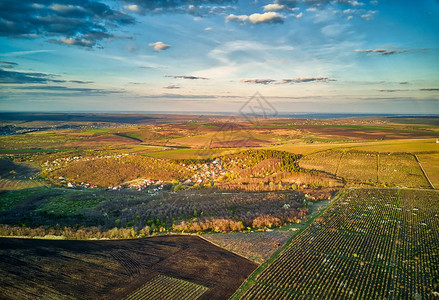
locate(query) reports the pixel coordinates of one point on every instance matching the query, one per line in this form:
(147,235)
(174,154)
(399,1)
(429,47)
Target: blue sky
(352,56)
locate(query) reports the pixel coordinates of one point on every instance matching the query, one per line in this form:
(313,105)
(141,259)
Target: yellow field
(369,167)
(409,146)
(430,163)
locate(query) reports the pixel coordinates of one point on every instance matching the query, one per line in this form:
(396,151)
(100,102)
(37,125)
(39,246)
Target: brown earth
(51,269)
(238,143)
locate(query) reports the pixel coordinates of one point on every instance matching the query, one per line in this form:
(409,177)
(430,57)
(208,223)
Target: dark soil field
(51,269)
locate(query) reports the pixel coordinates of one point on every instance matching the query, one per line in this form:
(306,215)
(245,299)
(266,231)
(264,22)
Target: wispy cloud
(187,77)
(14,77)
(429,89)
(390,90)
(287,81)
(382,51)
(258,81)
(19,53)
(306,79)
(171,87)
(56,90)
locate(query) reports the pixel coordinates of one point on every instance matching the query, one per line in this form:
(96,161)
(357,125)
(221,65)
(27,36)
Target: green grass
(66,204)
(12,198)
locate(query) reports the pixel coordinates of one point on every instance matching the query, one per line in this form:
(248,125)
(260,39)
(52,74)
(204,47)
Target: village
(203,174)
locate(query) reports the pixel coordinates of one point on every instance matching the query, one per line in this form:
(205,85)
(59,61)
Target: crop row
(164,287)
(370,168)
(372,244)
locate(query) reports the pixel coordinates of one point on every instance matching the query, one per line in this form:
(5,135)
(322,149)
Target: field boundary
(423,171)
(339,162)
(251,279)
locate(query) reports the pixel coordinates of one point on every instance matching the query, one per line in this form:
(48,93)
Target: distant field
(371,244)
(37,140)
(368,167)
(360,132)
(406,145)
(409,146)
(191,153)
(185,266)
(225,138)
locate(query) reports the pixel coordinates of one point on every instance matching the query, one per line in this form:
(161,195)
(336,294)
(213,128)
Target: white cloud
(369,15)
(232,17)
(268,17)
(133,8)
(208,28)
(356,3)
(273,7)
(159,46)
(66,8)
(299,15)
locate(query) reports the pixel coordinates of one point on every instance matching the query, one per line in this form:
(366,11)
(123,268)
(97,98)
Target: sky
(317,56)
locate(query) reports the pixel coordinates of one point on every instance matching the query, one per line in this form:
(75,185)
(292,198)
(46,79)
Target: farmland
(255,190)
(118,269)
(430,163)
(369,168)
(370,244)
